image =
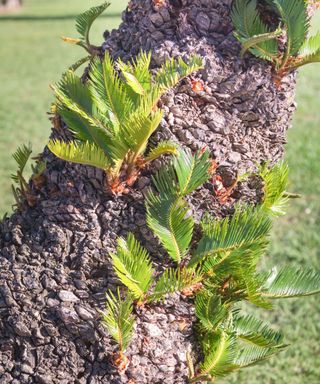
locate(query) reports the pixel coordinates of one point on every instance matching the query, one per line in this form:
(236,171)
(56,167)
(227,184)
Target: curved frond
(80,153)
(246,228)
(275,184)
(118,319)
(133,266)
(251,355)
(209,310)
(21,157)
(220,352)
(85,20)
(174,280)
(291,282)
(294,15)
(255,331)
(248,25)
(169,220)
(310,51)
(163,148)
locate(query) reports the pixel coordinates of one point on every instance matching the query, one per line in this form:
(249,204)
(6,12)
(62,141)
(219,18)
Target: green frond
(220,352)
(248,25)
(252,330)
(21,157)
(247,227)
(259,39)
(108,92)
(294,15)
(133,83)
(76,107)
(209,310)
(169,219)
(192,170)
(140,69)
(174,70)
(253,354)
(163,148)
(275,184)
(79,62)
(184,174)
(291,282)
(133,267)
(310,51)
(118,319)
(136,130)
(80,153)
(174,280)
(85,20)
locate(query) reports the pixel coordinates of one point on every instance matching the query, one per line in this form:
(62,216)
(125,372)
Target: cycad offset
(218,273)
(114,113)
(262,40)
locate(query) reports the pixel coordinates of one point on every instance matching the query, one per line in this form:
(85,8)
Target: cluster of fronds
(20,188)
(264,42)
(218,273)
(114,113)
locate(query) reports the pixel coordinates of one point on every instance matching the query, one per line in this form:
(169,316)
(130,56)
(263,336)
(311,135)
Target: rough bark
(54,265)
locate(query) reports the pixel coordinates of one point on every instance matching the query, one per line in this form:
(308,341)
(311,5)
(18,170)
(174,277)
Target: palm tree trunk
(54,267)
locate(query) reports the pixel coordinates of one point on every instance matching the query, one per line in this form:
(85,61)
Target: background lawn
(32,57)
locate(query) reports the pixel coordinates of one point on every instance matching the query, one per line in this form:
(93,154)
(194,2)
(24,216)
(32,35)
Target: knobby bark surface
(53,256)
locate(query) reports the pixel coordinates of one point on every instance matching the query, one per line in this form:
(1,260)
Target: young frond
(163,148)
(253,354)
(133,266)
(192,170)
(248,24)
(174,280)
(184,174)
(291,282)
(137,129)
(275,183)
(173,71)
(254,331)
(247,227)
(118,319)
(21,157)
(294,15)
(170,220)
(220,352)
(85,20)
(140,69)
(310,51)
(209,310)
(108,91)
(80,152)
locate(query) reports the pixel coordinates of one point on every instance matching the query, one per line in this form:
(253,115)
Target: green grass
(33,56)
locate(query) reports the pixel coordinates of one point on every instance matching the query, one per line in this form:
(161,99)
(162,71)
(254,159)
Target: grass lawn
(32,57)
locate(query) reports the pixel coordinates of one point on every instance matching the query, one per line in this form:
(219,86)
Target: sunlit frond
(80,153)
(118,319)
(133,266)
(290,282)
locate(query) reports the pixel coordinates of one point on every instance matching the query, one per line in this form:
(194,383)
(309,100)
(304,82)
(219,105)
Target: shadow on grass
(49,18)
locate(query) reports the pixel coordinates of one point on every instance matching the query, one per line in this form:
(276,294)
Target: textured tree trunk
(54,268)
